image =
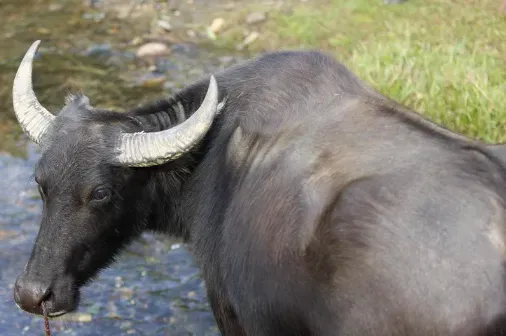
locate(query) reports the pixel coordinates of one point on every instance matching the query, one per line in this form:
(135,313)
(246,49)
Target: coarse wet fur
(315,206)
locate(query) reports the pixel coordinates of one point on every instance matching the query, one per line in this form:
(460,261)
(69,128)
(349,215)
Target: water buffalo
(315,205)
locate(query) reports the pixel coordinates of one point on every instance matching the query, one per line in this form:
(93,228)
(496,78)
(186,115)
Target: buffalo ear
(499,151)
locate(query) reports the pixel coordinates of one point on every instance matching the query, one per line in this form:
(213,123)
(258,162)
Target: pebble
(103,50)
(136,40)
(150,79)
(77,317)
(250,38)
(255,17)
(54,7)
(152,50)
(165,25)
(217,24)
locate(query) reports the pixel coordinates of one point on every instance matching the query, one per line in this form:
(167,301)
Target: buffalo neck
(167,185)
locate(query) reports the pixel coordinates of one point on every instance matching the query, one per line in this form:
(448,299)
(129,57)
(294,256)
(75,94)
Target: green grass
(444,58)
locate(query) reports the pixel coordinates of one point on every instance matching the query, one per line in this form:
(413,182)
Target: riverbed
(155,287)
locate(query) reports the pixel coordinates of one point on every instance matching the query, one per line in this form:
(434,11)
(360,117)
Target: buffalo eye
(100,194)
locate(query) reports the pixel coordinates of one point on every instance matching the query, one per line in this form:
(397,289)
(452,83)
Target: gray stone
(255,17)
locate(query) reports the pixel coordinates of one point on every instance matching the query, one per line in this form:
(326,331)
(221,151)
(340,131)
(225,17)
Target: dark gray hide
(315,206)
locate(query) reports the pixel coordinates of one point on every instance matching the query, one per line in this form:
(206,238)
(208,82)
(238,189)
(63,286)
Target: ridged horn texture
(150,149)
(32,116)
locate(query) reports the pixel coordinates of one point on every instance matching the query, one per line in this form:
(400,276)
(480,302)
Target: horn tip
(213,86)
(213,81)
(35,45)
(30,53)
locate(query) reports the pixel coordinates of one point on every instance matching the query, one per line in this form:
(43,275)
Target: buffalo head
(94,178)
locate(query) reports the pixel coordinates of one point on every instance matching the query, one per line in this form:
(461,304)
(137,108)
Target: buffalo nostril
(45,295)
(29,294)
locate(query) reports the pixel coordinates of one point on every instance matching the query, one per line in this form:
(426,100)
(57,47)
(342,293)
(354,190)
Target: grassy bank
(443,58)
(446,59)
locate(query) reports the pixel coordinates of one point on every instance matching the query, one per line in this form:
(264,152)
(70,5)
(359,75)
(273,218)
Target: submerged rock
(152,79)
(101,50)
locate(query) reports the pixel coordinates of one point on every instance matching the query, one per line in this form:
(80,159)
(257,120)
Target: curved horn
(32,116)
(155,148)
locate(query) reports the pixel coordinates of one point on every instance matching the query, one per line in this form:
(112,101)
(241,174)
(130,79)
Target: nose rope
(46,319)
